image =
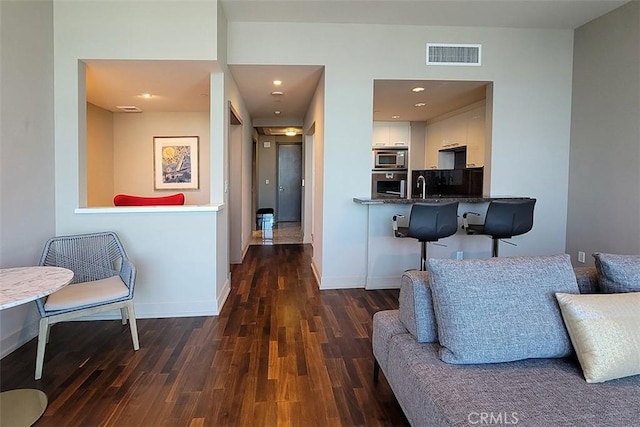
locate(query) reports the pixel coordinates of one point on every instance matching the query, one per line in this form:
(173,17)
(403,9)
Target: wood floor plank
(281,353)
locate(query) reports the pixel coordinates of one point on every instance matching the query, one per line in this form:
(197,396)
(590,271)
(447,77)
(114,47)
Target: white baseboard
(224,294)
(18,338)
(325,283)
(343,282)
(163,310)
(244,251)
(390,282)
(314,271)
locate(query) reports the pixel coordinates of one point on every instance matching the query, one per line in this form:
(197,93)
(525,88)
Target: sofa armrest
(587,278)
(416,306)
(386,325)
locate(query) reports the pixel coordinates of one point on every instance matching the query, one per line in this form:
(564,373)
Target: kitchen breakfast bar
(388,257)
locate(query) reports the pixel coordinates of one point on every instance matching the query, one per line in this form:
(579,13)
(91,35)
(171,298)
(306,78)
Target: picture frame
(175,162)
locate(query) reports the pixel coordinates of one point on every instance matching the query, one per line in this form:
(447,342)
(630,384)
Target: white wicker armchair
(104,280)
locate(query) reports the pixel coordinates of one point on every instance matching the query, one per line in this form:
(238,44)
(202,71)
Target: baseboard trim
(357,282)
(316,275)
(163,310)
(18,338)
(383,282)
(224,294)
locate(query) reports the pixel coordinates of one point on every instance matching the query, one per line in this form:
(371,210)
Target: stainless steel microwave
(390,158)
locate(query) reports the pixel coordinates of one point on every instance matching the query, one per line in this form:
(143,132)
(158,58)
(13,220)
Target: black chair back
(429,222)
(508,218)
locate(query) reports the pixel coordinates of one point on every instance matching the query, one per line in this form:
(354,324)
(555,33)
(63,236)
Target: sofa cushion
(533,392)
(129,200)
(618,273)
(501,309)
(587,278)
(605,332)
(416,306)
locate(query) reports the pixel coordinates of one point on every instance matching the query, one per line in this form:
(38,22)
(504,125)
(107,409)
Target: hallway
(284,233)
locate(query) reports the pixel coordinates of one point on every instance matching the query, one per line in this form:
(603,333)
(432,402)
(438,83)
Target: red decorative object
(128,200)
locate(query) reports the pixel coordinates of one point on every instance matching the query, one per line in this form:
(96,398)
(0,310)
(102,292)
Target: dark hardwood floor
(281,353)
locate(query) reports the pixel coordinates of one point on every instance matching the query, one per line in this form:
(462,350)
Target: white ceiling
(396,98)
(184,85)
(256,86)
(567,14)
(174,85)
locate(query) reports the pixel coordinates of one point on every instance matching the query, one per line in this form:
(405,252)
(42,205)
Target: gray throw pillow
(618,273)
(501,309)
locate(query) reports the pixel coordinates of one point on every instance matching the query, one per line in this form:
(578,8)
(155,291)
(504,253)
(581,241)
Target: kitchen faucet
(424,186)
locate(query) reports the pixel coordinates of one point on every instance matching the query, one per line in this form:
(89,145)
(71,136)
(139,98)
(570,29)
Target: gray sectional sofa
(527,390)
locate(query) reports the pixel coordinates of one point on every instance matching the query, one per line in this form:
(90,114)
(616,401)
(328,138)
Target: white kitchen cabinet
(454,131)
(399,133)
(475,137)
(466,129)
(434,143)
(380,134)
(391,134)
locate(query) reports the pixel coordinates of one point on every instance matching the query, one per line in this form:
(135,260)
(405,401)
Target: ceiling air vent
(453,54)
(129,108)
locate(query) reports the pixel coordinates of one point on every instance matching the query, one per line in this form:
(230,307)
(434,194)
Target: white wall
(243,135)
(266,170)
(604,189)
(114,30)
(240,191)
(235,194)
(99,156)
(531,118)
(133,151)
(179,256)
(26,150)
(314,126)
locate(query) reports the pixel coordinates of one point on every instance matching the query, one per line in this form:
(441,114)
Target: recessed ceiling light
(290,133)
(145,95)
(417,89)
(419,104)
(277,82)
(276,113)
(395,117)
(277,93)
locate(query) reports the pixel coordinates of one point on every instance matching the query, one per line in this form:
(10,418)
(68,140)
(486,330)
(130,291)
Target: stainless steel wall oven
(388,184)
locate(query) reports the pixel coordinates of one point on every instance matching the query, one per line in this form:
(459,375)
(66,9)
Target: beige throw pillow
(605,333)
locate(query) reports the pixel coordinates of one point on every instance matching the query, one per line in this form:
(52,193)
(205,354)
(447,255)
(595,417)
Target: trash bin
(264,219)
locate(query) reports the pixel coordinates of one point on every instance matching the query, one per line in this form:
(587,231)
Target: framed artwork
(175,162)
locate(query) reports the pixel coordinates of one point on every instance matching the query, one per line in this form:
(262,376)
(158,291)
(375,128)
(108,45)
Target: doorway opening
(279,172)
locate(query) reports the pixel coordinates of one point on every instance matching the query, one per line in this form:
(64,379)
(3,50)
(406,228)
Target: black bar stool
(428,222)
(504,219)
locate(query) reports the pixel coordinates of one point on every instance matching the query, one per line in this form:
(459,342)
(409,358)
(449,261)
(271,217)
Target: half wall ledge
(151,209)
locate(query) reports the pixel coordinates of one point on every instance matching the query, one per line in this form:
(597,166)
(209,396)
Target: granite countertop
(434,199)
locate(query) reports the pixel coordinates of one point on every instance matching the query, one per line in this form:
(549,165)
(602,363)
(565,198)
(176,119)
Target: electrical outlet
(459,255)
(581,257)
